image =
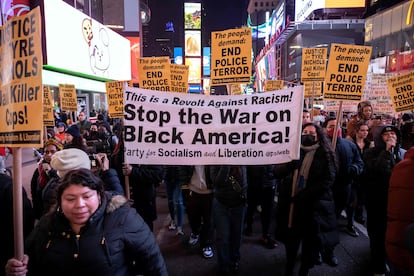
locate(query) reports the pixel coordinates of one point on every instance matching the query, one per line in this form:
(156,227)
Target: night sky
(218,15)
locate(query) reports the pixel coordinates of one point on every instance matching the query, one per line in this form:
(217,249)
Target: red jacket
(400,212)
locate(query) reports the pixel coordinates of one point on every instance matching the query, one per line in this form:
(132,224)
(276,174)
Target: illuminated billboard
(192,15)
(194,69)
(192,40)
(206,61)
(81,44)
(303,8)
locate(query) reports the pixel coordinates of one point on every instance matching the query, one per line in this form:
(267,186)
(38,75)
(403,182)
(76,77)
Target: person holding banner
(6,218)
(198,200)
(311,221)
(89,232)
(228,208)
(144,180)
(261,191)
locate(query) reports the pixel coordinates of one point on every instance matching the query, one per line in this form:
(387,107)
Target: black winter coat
(314,209)
(6,218)
(226,193)
(37,191)
(143,181)
(114,237)
(261,176)
(48,193)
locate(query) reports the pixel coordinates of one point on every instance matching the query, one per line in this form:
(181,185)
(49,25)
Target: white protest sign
(196,129)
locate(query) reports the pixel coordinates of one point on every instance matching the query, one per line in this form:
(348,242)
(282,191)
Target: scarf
(306,164)
(43,177)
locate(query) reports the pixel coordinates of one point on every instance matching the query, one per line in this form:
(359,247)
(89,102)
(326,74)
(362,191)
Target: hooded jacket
(400,212)
(379,163)
(113,239)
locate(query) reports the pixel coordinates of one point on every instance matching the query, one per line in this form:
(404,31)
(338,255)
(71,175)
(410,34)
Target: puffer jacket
(400,212)
(113,239)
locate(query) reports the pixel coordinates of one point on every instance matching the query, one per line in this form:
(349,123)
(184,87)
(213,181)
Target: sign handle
(338,123)
(312,99)
(18,203)
(293,193)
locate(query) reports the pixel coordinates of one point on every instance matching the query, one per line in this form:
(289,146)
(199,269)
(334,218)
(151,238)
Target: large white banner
(194,129)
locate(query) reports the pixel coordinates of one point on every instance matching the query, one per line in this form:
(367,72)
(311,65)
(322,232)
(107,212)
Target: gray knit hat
(70,159)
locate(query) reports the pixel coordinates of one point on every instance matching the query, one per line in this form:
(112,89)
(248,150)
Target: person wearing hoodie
(89,232)
(379,163)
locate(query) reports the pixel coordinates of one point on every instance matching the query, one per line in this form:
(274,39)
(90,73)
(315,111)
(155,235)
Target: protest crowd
(365,178)
(254,146)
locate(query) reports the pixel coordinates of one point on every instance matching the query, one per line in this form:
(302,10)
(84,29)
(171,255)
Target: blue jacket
(349,161)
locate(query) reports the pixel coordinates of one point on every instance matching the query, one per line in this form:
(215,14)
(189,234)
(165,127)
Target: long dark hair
(77,143)
(324,142)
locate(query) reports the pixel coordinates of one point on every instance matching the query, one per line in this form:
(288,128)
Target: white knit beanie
(70,159)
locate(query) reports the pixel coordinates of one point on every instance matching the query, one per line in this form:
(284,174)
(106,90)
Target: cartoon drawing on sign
(98,48)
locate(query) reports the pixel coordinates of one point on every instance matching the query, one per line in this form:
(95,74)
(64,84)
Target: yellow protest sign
(179,78)
(154,73)
(401,89)
(21,93)
(231,54)
(272,85)
(346,73)
(115,98)
(313,64)
(67,95)
(48,116)
(313,89)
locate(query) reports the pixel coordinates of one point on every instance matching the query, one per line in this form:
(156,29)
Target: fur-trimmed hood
(115,202)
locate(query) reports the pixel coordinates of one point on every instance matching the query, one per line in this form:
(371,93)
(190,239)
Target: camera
(94,160)
(99,146)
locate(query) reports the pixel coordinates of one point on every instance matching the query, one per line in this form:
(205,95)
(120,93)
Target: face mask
(308,140)
(331,131)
